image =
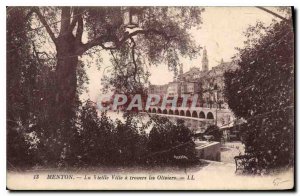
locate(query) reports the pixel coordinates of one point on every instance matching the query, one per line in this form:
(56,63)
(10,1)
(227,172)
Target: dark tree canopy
(24,90)
(46,75)
(168,140)
(265,80)
(261,91)
(160,36)
(215,131)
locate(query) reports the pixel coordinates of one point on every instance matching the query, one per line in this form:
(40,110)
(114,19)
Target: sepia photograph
(150,98)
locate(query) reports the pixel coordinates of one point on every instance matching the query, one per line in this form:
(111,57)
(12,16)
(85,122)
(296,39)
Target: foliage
(270,139)
(101,141)
(93,142)
(24,91)
(45,76)
(262,92)
(19,153)
(161,37)
(215,131)
(168,141)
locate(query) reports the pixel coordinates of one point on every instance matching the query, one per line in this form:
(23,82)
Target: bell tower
(181,72)
(204,60)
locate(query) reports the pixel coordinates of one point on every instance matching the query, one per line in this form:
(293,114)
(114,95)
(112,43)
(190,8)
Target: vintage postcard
(150,98)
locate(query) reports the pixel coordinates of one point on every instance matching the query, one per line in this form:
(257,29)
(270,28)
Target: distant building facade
(158,89)
(207,84)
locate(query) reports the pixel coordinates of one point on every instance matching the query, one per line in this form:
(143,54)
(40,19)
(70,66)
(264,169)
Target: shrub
(215,131)
(170,142)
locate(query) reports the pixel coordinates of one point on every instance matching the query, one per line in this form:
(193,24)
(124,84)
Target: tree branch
(100,41)
(75,18)
(273,13)
(65,20)
(79,31)
(117,63)
(35,54)
(133,58)
(44,22)
(28,15)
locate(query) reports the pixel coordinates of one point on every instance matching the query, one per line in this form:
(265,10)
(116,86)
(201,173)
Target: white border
(152,2)
(4,3)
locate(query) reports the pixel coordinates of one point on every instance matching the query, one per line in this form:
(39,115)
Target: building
(158,89)
(204,61)
(190,88)
(207,84)
(173,89)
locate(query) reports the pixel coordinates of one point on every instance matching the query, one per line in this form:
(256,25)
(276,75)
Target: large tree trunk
(61,113)
(66,81)
(65,96)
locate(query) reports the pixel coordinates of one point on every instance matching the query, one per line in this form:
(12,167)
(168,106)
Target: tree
(261,91)
(130,145)
(215,131)
(23,90)
(161,35)
(155,38)
(93,142)
(168,140)
(60,36)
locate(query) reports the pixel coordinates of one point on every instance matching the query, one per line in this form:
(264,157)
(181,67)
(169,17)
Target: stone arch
(159,111)
(194,114)
(149,110)
(176,112)
(153,110)
(182,113)
(210,115)
(171,112)
(201,115)
(188,113)
(165,111)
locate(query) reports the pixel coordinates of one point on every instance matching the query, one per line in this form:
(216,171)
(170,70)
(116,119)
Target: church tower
(181,72)
(204,60)
(180,79)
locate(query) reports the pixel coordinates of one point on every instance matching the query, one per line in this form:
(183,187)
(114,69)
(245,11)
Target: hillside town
(208,84)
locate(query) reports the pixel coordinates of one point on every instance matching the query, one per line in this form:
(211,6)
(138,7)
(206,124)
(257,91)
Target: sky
(221,32)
